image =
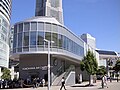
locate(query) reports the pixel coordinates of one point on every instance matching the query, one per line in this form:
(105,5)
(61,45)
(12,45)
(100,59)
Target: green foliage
(90,63)
(82,66)
(117,66)
(101,70)
(6,74)
(117,75)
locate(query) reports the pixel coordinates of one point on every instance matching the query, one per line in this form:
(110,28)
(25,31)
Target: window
(19,39)
(47,37)
(60,39)
(40,26)
(4,30)
(26,39)
(14,40)
(48,26)
(54,27)
(32,38)
(26,26)
(21,27)
(15,29)
(33,26)
(55,39)
(40,39)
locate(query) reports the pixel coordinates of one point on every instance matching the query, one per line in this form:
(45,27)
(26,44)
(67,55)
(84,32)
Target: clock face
(55,62)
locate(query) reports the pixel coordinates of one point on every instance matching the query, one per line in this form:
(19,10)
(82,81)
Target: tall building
(88,39)
(49,8)
(5,15)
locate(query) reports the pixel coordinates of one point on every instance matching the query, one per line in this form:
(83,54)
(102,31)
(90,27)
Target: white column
(48,65)
(0,73)
(12,72)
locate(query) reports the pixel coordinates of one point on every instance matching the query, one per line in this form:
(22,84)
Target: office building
(5,14)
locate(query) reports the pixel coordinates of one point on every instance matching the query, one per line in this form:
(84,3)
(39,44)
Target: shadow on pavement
(87,85)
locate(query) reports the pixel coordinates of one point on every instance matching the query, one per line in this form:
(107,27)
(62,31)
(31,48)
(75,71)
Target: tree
(89,64)
(6,74)
(117,67)
(101,70)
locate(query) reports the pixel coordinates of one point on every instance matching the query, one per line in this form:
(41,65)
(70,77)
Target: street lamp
(48,61)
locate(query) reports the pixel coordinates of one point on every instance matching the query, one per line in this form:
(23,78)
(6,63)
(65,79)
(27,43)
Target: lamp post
(48,61)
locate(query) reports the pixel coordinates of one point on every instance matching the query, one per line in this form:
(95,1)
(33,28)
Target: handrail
(71,68)
(68,70)
(59,71)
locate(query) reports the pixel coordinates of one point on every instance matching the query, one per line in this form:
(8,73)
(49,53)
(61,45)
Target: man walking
(63,84)
(104,80)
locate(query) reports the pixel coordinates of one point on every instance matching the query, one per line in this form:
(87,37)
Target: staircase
(66,75)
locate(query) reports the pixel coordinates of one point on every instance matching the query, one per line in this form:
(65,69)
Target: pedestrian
(63,84)
(34,83)
(104,79)
(43,82)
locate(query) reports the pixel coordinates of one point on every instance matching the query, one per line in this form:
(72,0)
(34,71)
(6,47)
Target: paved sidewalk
(111,86)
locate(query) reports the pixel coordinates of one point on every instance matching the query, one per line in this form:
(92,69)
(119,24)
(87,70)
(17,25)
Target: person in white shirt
(63,84)
(105,80)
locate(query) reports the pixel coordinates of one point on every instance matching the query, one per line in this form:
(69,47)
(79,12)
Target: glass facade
(4,48)
(33,36)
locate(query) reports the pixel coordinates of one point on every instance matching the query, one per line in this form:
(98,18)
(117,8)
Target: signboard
(35,68)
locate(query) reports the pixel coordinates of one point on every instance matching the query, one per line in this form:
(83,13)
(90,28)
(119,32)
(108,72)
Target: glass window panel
(4,30)
(33,26)
(60,38)
(32,38)
(5,23)
(40,26)
(26,39)
(19,50)
(26,26)
(48,26)
(55,39)
(14,50)
(21,27)
(54,27)
(19,39)
(47,37)
(64,42)
(25,48)
(15,29)
(14,40)
(40,38)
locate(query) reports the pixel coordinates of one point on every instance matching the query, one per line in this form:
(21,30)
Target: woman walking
(63,84)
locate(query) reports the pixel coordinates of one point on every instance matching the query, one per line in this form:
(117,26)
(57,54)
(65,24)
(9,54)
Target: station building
(30,48)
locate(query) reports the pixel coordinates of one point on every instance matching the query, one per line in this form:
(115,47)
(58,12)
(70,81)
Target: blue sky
(100,18)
